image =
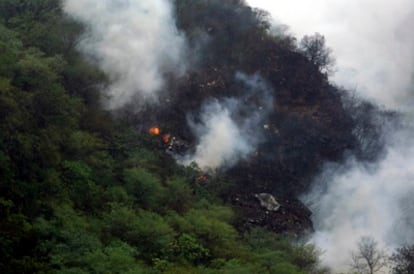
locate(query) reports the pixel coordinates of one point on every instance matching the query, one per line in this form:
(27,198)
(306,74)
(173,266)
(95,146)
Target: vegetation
(315,50)
(82,192)
(368,258)
(403,260)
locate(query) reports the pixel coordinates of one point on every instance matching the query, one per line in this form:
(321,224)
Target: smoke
(371,41)
(219,143)
(374,49)
(135,42)
(230,129)
(356,199)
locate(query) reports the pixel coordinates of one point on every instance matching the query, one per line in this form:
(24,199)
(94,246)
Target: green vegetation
(82,193)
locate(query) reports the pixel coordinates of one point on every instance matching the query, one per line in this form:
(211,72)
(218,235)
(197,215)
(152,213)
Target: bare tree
(368,258)
(314,48)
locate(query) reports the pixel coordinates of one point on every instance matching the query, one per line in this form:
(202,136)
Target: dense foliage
(82,193)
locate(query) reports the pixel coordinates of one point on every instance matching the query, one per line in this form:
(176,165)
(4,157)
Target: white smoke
(374,49)
(231,128)
(220,143)
(135,42)
(359,199)
(371,41)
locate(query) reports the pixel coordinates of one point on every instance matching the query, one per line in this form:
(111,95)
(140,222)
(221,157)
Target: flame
(154,131)
(201,178)
(166,138)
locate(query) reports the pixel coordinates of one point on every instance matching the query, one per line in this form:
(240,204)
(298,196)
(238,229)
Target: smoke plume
(359,199)
(374,49)
(371,41)
(230,129)
(135,42)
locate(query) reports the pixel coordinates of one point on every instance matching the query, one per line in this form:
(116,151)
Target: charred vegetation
(311,121)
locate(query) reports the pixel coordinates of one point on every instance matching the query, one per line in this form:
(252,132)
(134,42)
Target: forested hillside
(88,190)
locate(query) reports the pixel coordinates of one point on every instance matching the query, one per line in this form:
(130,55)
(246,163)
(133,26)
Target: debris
(166,138)
(176,145)
(267,201)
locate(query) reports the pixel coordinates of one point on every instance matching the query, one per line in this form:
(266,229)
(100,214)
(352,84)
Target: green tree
(144,230)
(179,195)
(145,187)
(82,189)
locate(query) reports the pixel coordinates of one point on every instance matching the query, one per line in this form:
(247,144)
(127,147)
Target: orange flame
(166,138)
(154,131)
(201,178)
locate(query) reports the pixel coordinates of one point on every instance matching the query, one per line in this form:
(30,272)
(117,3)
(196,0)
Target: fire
(154,131)
(201,178)
(166,138)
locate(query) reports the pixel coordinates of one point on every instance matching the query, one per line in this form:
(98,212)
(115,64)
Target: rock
(267,201)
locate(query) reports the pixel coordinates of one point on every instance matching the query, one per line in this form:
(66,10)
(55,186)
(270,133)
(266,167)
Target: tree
(368,258)
(314,48)
(403,260)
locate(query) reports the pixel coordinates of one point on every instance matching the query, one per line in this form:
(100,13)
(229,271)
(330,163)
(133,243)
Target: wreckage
(171,144)
(267,201)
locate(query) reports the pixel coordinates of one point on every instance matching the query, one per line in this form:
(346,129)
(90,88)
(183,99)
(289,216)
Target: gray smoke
(135,42)
(230,129)
(357,199)
(374,49)
(371,40)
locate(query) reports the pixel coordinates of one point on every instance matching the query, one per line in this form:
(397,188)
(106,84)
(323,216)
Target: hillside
(87,189)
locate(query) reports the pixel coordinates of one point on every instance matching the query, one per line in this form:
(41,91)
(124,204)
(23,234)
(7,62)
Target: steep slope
(306,125)
(87,190)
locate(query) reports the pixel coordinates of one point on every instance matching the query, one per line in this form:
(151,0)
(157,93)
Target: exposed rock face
(267,201)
